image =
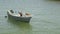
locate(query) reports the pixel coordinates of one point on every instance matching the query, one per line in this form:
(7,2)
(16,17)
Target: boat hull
(27,19)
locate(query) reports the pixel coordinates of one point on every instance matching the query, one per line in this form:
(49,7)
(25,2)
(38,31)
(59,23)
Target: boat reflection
(20,24)
(24,27)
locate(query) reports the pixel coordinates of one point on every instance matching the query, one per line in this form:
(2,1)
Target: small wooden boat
(25,17)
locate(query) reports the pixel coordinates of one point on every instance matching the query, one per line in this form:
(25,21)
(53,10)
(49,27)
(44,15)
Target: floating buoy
(5,16)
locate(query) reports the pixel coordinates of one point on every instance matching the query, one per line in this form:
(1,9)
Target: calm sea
(45,17)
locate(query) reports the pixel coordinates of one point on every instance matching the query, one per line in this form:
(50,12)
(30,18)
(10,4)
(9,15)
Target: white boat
(14,16)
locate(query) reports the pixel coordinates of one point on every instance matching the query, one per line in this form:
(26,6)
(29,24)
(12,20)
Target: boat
(25,17)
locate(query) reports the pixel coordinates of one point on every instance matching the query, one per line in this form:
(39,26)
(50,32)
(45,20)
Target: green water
(45,17)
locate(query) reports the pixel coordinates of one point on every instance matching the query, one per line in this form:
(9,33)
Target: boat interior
(24,14)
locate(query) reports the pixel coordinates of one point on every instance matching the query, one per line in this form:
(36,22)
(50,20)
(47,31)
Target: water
(45,19)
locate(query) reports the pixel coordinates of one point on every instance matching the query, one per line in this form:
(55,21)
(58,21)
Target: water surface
(45,19)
